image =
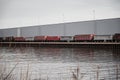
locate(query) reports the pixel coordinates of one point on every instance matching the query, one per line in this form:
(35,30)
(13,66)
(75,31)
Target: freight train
(76,38)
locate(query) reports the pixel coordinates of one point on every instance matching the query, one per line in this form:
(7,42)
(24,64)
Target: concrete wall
(100,27)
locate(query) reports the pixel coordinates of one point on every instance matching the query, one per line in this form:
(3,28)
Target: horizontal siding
(103,27)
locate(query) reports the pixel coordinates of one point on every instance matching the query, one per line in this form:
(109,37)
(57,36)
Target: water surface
(36,63)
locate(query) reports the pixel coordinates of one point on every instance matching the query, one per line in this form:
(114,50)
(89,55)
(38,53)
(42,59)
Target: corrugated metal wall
(9,32)
(29,31)
(103,27)
(109,26)
(1,33)
(52,30)
(80,28)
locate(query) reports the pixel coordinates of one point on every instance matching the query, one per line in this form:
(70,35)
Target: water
(35,63)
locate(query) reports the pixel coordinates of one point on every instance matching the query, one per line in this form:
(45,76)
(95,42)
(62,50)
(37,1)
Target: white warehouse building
(98,27)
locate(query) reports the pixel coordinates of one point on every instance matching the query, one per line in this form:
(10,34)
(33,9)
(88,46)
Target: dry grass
(74,73)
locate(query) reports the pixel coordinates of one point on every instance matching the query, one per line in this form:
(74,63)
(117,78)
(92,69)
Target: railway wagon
(84,37)
(39,38)
(8,39)
(116,37)
(53,38)
(66,38)
(29,39)
(1,39)
(19,39)
(102,38)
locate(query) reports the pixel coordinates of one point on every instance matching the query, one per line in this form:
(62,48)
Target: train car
(84,37)
(1,39)
(39,38)
(29,39)
(53,38)
(116,37)
(66,38)
(19,39)
(102,38)
(8,39)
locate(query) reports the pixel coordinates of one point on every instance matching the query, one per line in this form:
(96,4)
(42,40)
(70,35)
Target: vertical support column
(18,32)
(40,33)
(64,26)
(64,29)
(95,23)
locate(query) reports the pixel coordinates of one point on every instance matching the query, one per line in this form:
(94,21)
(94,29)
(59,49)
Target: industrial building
(98,27)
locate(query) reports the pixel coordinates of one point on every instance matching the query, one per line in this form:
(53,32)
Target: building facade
(98,27)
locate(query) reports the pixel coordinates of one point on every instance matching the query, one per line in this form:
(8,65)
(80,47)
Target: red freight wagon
(116,36)
(19,38)
(40,38)
(84,37)
(53,38)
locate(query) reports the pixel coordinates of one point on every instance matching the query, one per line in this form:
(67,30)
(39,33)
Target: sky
(20,13)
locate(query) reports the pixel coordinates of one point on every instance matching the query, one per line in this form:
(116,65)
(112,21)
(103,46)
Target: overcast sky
(19,13)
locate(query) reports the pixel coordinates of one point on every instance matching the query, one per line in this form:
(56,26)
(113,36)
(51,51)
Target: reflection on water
(60,54)
(35,63)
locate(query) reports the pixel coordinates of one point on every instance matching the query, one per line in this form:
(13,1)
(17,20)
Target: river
(36,63)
